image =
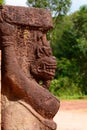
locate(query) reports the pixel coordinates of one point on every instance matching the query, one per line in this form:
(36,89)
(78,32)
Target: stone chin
(44,68)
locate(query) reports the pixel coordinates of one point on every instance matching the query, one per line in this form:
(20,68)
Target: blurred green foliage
(69,43)
(2,2)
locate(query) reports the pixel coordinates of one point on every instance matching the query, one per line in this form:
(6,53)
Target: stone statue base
(21,116)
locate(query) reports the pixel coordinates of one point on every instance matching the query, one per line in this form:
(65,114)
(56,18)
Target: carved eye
(47,51)
(40,52)
(39,36)
(44,51)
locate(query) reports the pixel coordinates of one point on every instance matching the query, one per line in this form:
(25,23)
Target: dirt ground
(72,115)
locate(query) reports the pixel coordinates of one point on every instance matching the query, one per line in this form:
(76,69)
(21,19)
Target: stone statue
(27,68)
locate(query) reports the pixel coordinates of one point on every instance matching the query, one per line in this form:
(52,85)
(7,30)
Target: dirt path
(72,115)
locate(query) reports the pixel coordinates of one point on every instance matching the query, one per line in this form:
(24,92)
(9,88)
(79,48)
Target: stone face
(27,69)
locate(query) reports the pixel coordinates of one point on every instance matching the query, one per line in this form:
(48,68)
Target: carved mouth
(47,69)
(44,68)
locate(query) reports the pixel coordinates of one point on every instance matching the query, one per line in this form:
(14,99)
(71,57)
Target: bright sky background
(75,3)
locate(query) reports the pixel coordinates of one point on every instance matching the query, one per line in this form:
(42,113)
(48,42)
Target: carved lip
(44,68)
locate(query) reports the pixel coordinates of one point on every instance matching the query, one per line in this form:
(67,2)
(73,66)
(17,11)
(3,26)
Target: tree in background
(57,7)
(70,48)
(65,49)
(2,2)
(79,19)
